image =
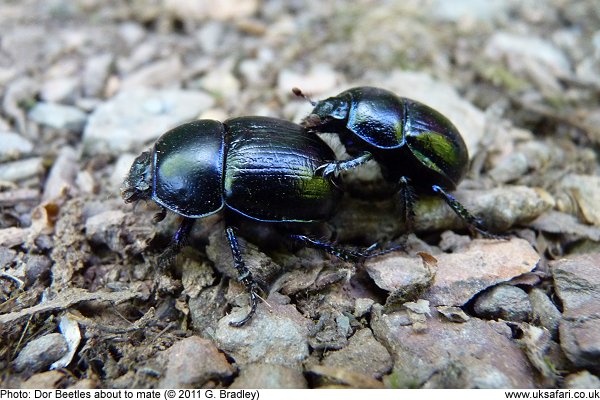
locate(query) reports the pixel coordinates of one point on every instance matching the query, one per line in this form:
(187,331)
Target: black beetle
(415,145)
(261,168)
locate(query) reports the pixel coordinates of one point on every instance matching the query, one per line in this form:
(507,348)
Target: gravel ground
(86,85)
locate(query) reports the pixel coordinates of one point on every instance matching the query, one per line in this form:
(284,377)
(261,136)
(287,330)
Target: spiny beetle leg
(168,255)
(179,240)
(336,167)
(473,222)
(244,276)
(407,199)
(344,253)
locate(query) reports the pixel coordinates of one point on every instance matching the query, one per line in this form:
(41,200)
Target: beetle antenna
(299,93)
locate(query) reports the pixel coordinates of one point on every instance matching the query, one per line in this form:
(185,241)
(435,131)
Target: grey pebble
(38,266)
(544,311)
(41,352)
(13,146)
(504,302)
(58,116)
(582,380)
(22,169)
(136,117)
(183,369)
(269,376)
(577,282)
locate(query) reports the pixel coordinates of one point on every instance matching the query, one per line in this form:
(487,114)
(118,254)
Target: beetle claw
(329,170)
(248,317)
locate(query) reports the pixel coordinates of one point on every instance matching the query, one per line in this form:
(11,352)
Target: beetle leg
(344,253)
(179,240)
(407,202)
(460,210)
(336,167)
(244,276)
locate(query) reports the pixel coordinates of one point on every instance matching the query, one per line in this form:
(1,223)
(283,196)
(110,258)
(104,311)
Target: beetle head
(138,182)
(328,110)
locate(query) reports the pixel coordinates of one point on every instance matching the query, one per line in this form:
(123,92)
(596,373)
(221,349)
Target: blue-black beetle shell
(406,137)
(260,167)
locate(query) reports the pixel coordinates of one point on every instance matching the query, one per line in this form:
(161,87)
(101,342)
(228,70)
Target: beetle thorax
(138,182)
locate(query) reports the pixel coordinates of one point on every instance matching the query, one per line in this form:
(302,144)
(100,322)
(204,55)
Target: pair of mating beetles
(275,171)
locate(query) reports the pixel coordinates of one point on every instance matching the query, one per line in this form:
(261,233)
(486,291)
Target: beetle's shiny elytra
(263,168)
(414,144)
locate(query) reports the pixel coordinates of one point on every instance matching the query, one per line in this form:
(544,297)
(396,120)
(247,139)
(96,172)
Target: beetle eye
(340,112)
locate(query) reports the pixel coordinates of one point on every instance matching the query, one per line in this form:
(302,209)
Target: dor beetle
(415,145)
(261,168)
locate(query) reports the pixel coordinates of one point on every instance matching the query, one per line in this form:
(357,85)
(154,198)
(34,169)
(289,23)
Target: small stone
(510,168)
(404,277)
(210,36)
(482,264)
(276,335)
(61,179)
(450,355)
(269,376)
(106,228)
(183,369)
(86,182)
(59,90)
(44,380)
(134,118)
(85,384)
(13,146)
(577,283)
(22,169)
(38,267)
(362,306)
(331,332)
(13,236)
(95,75)
(7,256)
(500,208)
(585,190)
(505,302)
(158,74)
(58,116)
(518,50)
(562,223)
(321,78)
(544,311)
(478,10)
(219,9)
(232,9)
(131,32)
(221,82)
(207,308)
(453,314)
(363,355)
(582,380)
(420,306)
(539,348)
(41,352)
(263,268)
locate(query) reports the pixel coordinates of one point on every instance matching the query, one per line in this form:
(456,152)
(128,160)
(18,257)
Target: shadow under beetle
(262,168)
(415,145)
